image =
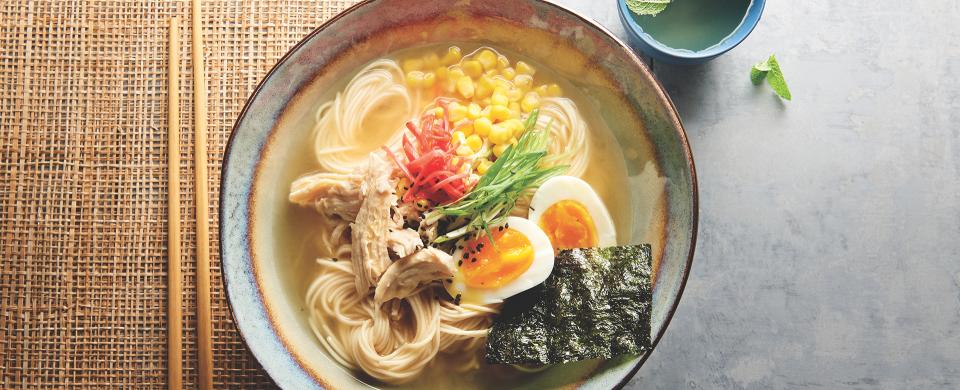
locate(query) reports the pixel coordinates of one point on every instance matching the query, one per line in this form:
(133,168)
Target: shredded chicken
(331,194)
(370,229)
(405,275)
(403,242)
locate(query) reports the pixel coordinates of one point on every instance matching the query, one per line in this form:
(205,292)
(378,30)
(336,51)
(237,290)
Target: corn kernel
(554,90)
(473,111)
(508,73)
(499,99)
(466,128)
(525,68)
(487,58)
(452,56)
(500,113)
(482,126)
(412,64)
(514,109)
(438,112)
(484,87)
(485,101)
(441,72)
(455,72)
(431,60)
(515,125)
(422,204)
(472,68)
(429,79)
(530,102)
(415,79)
(523,82)
(459,138)
(483,166)
(486,112)
(504,89)
(475,142)
(541,90)
(465,87)
(514,94)
(457,111)
(513,141)
(502,62)
(492,72)
(464,150)
(499,134)
(499,149)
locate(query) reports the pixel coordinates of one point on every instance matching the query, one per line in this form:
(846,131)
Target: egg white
(539,269)
(560,188)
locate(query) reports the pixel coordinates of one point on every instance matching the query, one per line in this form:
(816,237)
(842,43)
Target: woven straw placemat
(83,89)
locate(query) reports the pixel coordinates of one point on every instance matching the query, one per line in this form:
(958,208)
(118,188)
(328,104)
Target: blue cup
(660,52)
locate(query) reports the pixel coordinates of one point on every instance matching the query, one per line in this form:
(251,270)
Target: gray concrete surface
(828,253)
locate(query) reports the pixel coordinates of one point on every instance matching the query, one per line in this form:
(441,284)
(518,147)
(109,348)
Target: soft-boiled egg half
(571,214)
(518,258)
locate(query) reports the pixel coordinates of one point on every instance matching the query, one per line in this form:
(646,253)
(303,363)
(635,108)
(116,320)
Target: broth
(695,25)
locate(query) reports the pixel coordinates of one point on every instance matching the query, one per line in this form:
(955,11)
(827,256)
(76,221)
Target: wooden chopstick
(174,282)
(204,336)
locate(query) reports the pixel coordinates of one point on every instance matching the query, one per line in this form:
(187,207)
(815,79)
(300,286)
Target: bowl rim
(631,54)
(636,31)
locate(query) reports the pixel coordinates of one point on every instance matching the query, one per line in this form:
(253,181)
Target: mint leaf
(759,72)
(770,70)
(757,75)
(647,7)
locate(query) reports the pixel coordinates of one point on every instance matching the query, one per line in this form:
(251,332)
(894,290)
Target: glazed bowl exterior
(661,183)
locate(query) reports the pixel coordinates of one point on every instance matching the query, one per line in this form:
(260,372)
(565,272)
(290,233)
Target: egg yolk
(492,265)
(568,225)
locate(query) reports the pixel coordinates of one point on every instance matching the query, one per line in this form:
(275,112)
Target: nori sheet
(595,304)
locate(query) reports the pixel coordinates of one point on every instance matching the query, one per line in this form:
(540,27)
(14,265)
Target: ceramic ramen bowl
(256,246)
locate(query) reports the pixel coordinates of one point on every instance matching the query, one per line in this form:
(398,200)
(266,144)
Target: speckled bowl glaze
(278,116)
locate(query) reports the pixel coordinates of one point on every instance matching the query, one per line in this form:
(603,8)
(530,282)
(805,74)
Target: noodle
(569,143)
(339,132)
(393,346)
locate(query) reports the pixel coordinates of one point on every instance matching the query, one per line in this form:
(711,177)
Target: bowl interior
(260,251)
(652,47)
